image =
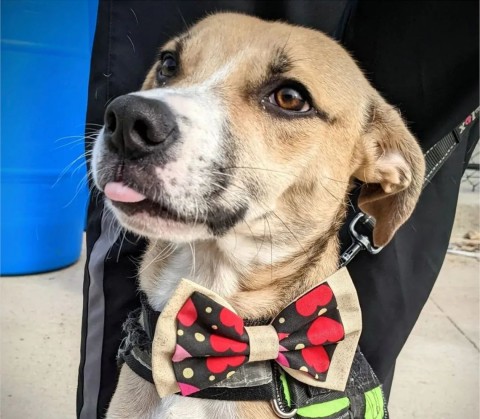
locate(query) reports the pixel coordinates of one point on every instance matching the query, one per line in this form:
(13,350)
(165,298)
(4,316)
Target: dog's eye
(168,67)
(289,99)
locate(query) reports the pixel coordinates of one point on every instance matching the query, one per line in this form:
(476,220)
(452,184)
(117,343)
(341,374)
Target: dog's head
(240,118)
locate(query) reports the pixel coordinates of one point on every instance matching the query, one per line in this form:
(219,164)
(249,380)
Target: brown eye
(289,99)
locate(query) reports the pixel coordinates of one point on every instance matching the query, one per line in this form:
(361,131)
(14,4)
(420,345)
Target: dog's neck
(257,272)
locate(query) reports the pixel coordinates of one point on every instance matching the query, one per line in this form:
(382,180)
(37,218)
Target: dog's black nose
(136,126)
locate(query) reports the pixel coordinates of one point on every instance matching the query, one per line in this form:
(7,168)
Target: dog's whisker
(67,168)
(131,42)
(187,27)
(258,168)
(121,244)
(132,243)
(289,230)
(271,249)
(263,239)
(192,250)
(336,180)
(330,193)
(196,212)
(69,137)
(164,254)
(268,211)
(134,15)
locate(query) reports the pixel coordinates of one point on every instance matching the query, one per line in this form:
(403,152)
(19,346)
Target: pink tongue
(119,192)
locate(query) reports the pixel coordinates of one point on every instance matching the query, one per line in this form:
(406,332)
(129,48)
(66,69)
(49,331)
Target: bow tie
(200,340)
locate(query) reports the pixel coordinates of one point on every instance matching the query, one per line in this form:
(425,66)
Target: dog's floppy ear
(392,169)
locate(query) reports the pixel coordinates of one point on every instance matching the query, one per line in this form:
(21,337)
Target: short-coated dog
(235,160)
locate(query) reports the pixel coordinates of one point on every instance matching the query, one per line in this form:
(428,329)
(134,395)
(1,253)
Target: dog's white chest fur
(201,263)
(191,408)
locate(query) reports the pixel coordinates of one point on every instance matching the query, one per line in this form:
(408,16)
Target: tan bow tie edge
(264,341)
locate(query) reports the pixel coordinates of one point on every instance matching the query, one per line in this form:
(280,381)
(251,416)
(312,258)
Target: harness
(363,397)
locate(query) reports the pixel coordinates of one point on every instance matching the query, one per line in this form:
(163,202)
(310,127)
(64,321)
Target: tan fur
(304,172)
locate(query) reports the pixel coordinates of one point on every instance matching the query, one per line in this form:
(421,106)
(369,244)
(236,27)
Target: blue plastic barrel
(46,46)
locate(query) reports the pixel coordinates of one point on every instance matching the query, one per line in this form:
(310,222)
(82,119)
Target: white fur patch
(191,408)
(197,262)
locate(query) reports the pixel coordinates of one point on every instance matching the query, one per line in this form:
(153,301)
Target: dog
(235,160)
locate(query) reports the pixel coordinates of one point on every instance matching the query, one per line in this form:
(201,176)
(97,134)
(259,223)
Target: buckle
(360,241)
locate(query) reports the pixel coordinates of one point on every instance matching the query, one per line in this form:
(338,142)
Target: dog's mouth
(135,206)
(131,202)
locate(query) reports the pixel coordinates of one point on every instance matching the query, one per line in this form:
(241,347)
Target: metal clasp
(280,412)
(359,240)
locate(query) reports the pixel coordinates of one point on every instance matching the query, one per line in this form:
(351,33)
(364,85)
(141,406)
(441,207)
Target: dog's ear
(392,169)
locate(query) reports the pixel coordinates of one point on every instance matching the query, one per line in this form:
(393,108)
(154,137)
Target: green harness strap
(374,404)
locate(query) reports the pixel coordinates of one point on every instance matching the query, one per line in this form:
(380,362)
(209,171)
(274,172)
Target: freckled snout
(136,126)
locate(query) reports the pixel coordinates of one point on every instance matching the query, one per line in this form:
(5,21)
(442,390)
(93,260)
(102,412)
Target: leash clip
(278,403)
(280,412)
(359,241)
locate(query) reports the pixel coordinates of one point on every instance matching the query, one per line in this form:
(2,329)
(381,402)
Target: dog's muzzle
(136,126)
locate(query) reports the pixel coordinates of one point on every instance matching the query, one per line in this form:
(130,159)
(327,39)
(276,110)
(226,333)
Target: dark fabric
(423,56)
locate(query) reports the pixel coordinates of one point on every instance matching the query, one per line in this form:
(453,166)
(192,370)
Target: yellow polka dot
(322,311)
(299,346)
(199,337)
(214,327)
(180,332)
(281,320)
(211,378)
(208,309)
(304,368)
(230,374)
(188,373)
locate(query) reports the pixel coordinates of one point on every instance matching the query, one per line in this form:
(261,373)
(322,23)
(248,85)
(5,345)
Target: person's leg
(423,57)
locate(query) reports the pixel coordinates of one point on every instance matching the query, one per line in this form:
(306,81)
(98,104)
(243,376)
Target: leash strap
(438,154)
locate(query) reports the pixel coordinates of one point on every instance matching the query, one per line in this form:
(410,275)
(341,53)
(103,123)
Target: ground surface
(437,374)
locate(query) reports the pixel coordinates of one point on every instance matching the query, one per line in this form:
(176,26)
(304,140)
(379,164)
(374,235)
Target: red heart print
(230,319)
(187,314)
(317,358)
(218,364)
(222,344)
(323,330)
(308,304)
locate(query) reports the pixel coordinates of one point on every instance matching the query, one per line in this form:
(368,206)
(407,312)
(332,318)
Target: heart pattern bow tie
(314,338)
